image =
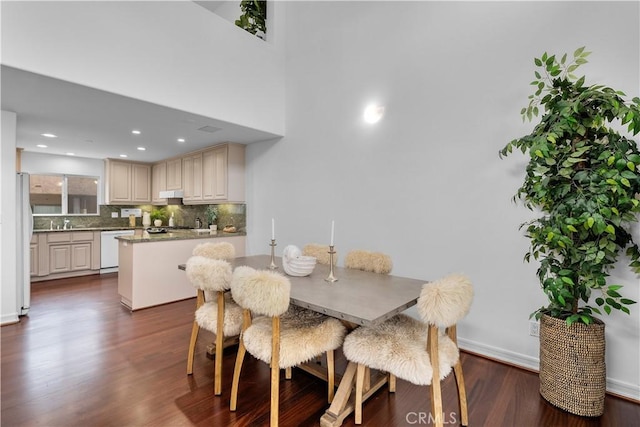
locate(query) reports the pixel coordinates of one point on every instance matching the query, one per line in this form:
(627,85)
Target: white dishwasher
(109,249)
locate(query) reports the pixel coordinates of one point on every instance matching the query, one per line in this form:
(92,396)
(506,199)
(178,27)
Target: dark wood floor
(81,359)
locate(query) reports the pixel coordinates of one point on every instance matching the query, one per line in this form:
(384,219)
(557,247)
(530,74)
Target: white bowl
(302,266)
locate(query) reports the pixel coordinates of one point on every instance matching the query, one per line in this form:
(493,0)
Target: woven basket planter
(572,366)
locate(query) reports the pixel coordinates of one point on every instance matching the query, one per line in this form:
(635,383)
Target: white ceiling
(97,124)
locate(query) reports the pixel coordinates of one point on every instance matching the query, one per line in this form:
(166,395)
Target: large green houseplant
(254,17)
(583,179)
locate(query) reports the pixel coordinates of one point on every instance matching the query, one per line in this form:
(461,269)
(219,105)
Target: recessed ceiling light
(373,113)
(41,146)
(141,148)
(123,155)
(136,132)
(49,135)
(181,140)
(71,154)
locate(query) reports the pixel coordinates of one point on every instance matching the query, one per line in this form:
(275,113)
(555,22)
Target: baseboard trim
(617,388)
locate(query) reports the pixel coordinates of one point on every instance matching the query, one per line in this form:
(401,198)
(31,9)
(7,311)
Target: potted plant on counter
(158,216)
(583,178)
(211,214)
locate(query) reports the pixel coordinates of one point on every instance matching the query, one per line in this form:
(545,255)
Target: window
(64,194)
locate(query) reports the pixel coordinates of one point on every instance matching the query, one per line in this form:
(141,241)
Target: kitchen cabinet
(158,182)
(174,174)
(214,175)
(127,182)
(62,254)
(192,178)
(33,255)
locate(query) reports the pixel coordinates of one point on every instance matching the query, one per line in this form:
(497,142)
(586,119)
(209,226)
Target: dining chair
(375,262)
(422,352)
(319,252)
(221,315)
(280,335)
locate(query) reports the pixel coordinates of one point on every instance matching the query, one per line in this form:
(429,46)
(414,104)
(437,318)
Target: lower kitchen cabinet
(65,254)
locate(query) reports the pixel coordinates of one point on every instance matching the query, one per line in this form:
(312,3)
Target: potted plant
(158,215)
(211,214)
(254,17)
(583,179)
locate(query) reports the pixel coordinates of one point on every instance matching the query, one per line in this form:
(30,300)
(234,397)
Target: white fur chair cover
(304,334)
(209,274)
(375,262)
(220,250)
(207,316)
(263,292)
(446,301)
(319,252)
(399,346)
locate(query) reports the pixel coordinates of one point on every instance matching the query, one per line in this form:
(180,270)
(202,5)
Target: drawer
(80,236)
(58,237)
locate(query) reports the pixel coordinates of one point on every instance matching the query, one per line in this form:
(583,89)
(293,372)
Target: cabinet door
(158,181)
(119,182)
(197,177)
(214,174)
(187,178)
(81,256)
(141,183)
(59,258)
(174,174)
(33,258)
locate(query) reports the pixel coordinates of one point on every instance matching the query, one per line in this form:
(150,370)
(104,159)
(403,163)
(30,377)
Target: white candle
(273,229)
(333,223)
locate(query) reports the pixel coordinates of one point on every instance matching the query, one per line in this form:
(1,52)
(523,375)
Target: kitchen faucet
(66,221)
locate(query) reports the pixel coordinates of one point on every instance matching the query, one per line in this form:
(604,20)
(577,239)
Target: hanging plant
(254,17)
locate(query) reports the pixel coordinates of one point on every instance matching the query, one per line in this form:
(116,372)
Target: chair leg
(217,363)
(287,373)
(462,394)
(192,346)
(436,391)
(331,375)
(275,371)
(360,374)
(236,375)
(392,383)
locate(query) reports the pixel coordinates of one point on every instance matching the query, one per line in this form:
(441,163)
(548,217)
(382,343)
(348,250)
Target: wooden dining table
(358,298)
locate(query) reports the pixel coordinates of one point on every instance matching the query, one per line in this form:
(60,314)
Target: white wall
(8,260)
(425,184)
(171,53)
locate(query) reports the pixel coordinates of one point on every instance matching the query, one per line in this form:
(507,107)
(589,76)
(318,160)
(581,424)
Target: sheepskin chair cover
(446,301)
(207,317)
(399,346)
(209,274)
(260,291)
(304,335)
(375,262)
(221,250)
(319,252)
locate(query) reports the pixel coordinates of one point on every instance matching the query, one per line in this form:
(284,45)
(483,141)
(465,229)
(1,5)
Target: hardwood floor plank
(81,359)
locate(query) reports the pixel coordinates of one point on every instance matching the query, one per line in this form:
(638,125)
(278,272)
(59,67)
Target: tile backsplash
(183,216)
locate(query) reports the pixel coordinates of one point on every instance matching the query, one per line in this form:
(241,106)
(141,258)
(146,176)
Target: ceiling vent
(210,129)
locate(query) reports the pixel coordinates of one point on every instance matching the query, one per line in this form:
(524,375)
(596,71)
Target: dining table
(358,298)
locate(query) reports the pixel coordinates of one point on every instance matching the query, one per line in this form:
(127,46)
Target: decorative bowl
(295,264)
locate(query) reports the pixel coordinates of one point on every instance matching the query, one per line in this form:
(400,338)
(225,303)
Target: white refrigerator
(24,231)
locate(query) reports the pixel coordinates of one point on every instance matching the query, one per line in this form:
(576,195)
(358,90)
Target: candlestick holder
(331,278)
(273,265)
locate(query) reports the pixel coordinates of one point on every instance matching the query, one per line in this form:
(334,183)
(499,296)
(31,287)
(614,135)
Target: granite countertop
(55,230)
(177,235)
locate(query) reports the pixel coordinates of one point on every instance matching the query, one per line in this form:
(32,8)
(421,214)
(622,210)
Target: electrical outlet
(114,214)
(534,328)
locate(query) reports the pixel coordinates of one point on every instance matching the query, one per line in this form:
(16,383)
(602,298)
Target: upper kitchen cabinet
(174,174)
(158,182)
(127,182)
(214,175)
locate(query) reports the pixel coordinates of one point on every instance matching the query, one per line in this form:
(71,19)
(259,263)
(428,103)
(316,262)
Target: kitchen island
(148,275)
